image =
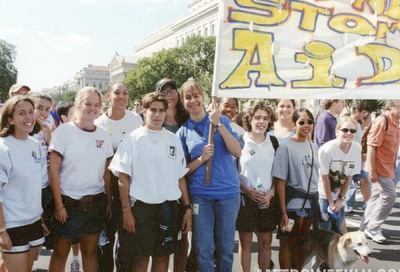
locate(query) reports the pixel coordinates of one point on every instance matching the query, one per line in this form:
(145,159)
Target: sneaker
(375,235)
(379,230)
(349,210)
(75,266)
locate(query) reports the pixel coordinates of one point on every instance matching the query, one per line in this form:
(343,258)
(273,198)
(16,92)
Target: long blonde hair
(80,98)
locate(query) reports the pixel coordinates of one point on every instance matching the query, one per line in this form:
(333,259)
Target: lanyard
(198,131)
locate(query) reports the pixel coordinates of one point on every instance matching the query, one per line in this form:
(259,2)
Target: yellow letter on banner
(351,23)
(390,8)
(268,14)
(393,10)
(309,14)
(377,6)
(380,55)
(257,58)
(319,55)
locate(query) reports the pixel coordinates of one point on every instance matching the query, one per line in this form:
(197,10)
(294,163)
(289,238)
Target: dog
(338,252)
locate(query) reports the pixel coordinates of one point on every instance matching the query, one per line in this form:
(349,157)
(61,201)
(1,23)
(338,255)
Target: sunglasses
(165,92)
(346,130)
(309,122)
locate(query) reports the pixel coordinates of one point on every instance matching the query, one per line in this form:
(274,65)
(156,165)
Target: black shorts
(150,239)
(253,219)
(25,237)
(89,219)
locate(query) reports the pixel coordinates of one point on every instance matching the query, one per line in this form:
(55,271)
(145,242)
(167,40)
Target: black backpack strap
(274,141)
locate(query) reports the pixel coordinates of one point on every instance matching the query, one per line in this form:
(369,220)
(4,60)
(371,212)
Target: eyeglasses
(309,122)
(346,130)
(165,92)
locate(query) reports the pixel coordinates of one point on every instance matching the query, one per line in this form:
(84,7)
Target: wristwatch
(342,197)
(187,207)
(218,125)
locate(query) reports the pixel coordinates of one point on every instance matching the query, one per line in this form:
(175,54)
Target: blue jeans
(214,229)
(328,224)
(351,193)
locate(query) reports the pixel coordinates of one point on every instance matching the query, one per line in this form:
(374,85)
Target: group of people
(152,176)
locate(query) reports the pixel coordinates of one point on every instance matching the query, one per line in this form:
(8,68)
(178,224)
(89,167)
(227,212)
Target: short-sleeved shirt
(338,165)
(84,155)
(281,141)
(386,142)
(224,181)
(118,129)
(325,128)
(23,168)
(292,164)
(256,161)
(154,161)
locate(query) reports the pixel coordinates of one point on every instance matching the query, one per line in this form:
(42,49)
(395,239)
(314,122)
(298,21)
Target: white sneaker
(375,235)
(379,230)
(75,266)
(349,210)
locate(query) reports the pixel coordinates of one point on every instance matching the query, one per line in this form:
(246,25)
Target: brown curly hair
(250,114)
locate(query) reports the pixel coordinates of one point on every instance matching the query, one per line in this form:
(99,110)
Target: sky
(54,39)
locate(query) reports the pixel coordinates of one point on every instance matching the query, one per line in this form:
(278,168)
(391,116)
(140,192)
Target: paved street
(384,257)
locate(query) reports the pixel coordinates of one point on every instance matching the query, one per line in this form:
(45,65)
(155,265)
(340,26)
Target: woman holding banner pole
(215,207)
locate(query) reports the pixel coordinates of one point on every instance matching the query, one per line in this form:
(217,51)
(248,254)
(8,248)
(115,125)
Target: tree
(195,58)
(8,72)
(64,97)
(375,106)
(149,70)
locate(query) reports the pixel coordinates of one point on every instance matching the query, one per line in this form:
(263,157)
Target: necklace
(154,135)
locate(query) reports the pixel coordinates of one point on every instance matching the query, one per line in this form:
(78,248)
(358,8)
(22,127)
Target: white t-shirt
(118,129)
(154,161)
(256,162)
(338,165)
(42,141)
(84,158)
(238,129)
(23,168)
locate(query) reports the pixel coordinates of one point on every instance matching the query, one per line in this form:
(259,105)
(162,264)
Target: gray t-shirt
(292,163)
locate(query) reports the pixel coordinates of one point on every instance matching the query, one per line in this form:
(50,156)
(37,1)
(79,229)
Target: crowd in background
(79,175)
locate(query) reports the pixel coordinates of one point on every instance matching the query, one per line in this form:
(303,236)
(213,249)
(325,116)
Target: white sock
(75,258)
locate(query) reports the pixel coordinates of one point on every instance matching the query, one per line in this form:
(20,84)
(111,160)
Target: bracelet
(59,209)
(126,206)
(2,229)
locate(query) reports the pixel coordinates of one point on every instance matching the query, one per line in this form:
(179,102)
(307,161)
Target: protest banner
(308,49)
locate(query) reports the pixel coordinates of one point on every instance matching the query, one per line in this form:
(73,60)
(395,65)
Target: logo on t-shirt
(99,143)
(36,157)
(172,152)
(338,172)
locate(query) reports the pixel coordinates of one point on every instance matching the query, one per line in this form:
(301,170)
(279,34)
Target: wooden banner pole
(210,141)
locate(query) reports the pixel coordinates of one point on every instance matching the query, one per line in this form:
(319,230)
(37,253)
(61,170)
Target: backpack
(273,139)
(364,138)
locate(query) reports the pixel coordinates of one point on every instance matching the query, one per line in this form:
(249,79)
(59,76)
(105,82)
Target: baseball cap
(16,87)
(161,83)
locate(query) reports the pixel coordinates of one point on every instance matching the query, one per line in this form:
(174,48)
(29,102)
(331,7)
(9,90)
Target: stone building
(120,65)
(200,19)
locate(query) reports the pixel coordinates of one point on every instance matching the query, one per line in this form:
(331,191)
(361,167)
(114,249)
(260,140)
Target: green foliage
(376,106)
(65,97)
(195,58)
(8,72)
